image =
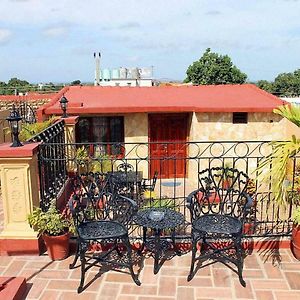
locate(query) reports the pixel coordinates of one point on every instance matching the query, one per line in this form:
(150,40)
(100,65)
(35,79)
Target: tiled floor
(268,276)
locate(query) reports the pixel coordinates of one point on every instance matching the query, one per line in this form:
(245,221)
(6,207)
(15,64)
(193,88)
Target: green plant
(30,130)
(276,164)
(296,216)
(163,202)
(86,164)
(51,222)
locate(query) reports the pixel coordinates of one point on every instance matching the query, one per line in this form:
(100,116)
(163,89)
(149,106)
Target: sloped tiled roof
(205,98)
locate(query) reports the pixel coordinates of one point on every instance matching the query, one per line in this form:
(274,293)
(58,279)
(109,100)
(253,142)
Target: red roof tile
(209,98)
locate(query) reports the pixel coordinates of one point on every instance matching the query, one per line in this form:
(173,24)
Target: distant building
(125,77)
(294,100)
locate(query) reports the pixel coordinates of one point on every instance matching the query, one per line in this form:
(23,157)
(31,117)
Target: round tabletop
(158,218)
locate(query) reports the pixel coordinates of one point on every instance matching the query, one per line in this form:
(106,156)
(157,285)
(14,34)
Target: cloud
(54,32)
(213,12)
(122,26)
(5,36)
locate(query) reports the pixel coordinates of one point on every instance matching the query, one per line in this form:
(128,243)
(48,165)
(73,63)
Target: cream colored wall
(136,131)
(219,126)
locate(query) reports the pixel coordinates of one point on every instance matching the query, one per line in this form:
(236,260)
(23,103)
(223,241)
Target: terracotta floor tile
(6,260)
(82,296)
(184,293)
(139,290)
(287,295)
(272,271)
(264,295)
(167,286)
(221,277)
(243,292)
(213,292)
(269,284)
(37,287)
(293,279)
(195,282)
(14,268)
(50,295)
(109,289)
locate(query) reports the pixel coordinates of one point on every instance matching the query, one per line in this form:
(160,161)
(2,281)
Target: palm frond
(289,111)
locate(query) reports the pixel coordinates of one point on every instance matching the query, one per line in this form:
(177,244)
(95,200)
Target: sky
(54,40)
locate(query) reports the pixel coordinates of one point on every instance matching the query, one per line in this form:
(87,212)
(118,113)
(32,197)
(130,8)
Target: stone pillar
(20,193)
(70,124)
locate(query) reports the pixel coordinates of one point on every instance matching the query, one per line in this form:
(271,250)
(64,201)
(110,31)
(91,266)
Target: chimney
(97,70)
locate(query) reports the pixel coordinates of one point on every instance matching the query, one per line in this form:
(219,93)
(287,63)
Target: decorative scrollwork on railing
(58,159)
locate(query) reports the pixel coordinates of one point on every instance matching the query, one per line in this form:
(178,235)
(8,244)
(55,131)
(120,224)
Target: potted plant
(295,244)
(53,226)
(249,224)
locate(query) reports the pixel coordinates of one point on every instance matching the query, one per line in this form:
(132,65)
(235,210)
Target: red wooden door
(168,134)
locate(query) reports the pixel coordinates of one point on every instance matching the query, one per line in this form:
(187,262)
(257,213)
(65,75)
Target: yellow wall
(219,126)
(136,131)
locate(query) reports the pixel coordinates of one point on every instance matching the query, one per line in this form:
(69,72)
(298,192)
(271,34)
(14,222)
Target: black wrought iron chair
(101,216)
(125,167)
(150,184)
(218,210)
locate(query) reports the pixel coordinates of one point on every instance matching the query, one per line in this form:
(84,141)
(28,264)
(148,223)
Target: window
(106,130)
(240,118)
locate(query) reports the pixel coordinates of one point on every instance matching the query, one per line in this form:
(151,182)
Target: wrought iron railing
(52,171)
(178,174)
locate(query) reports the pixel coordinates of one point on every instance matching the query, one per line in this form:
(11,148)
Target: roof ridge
(263,92)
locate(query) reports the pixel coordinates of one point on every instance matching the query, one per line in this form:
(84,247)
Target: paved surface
(269,275)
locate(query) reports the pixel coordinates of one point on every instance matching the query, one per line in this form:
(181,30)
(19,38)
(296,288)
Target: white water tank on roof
(115,74)
(106,74)
(135,73)
(123,73)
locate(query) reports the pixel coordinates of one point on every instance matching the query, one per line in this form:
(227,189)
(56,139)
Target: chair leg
(194,251)
(72,265)
(83,262)
(130,264)
(240,260)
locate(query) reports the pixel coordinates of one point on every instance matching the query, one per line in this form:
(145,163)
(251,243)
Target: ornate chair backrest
(125,167)
(221,191)
(94,200)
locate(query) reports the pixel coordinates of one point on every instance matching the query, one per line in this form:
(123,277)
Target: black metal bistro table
(131,180)
(158,219)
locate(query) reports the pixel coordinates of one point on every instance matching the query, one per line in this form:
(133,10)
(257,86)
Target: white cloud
(54,32)
(5,35)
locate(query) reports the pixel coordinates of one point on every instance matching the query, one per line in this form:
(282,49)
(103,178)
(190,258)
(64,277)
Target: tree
(287,84)
(213,68)
(15,82)
(76,82)
(265,85)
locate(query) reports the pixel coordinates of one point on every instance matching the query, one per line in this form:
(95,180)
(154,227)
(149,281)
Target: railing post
(70,138)
(19,184)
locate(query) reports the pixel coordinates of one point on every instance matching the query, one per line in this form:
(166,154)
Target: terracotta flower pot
(295,242)
(57,246)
